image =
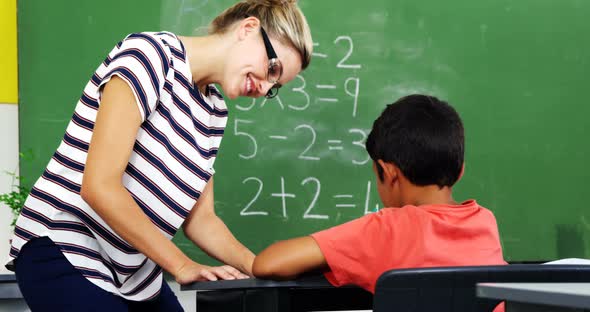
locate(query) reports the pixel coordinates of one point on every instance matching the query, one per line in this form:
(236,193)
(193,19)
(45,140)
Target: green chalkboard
(515,70)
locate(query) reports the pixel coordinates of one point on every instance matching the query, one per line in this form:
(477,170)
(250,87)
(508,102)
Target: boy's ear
(461,173)
(390,171)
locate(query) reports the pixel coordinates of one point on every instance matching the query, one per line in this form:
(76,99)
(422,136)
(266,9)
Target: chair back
(446,289)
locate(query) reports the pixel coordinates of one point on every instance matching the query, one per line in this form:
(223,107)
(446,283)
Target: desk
(312,293)
(9,287)
(522,297)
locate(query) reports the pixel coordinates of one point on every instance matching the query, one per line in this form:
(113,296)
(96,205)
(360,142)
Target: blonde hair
(282,19)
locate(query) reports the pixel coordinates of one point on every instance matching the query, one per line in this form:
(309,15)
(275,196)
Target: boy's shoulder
(464,206)
(466,209)
(412,219)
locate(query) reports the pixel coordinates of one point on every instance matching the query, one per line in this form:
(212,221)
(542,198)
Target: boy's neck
(427,195)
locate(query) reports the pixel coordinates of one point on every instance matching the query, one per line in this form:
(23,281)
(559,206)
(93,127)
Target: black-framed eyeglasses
(275,68)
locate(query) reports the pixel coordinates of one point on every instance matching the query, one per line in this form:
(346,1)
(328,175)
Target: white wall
(187,299)
(8,162)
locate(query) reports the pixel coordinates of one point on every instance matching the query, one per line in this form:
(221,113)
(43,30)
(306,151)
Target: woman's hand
(194,272)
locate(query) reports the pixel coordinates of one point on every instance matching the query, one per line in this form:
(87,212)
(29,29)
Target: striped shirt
(171,162)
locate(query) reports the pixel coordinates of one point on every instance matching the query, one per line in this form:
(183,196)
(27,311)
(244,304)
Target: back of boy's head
(423,136)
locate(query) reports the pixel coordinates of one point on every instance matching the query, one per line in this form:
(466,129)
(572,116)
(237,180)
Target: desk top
(254,283)
(8,287)
(574,295)
(7,278)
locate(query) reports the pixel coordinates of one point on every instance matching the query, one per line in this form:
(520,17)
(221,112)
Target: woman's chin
(232,95)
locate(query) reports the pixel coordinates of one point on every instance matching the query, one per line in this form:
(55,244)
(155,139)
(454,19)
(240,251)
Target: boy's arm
(288,259)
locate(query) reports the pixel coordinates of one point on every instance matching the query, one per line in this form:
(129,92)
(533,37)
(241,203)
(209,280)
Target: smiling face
(248,62)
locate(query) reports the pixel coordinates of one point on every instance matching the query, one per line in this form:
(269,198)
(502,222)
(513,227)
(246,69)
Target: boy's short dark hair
(423,136)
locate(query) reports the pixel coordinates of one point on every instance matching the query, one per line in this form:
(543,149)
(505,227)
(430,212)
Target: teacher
(136,164)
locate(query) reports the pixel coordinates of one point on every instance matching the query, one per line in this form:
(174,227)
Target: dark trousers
(49,282)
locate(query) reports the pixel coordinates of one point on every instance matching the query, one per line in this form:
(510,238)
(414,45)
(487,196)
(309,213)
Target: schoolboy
(417,148)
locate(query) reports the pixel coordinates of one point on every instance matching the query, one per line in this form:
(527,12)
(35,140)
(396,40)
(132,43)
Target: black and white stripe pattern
(171,162)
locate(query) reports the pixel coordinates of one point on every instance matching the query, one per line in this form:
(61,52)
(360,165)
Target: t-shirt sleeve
(141,61)
(349,251)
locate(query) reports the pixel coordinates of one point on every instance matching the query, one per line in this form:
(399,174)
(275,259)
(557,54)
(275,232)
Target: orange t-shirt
(359,251)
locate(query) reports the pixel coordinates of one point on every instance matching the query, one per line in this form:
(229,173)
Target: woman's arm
(204,228)
(289,259)
(114,134)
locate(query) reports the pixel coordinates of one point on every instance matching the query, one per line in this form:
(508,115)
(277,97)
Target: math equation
(307,142)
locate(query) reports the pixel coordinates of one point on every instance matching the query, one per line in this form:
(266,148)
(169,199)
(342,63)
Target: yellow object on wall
(8,54)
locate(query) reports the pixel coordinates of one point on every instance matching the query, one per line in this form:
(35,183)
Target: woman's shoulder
(160,38)
(164,45)
(166,36)
(155,34)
